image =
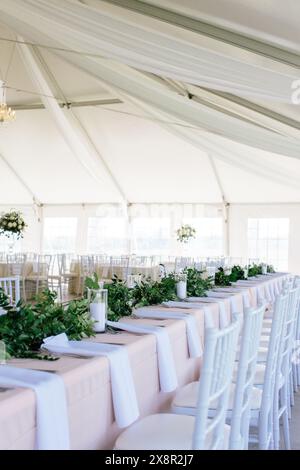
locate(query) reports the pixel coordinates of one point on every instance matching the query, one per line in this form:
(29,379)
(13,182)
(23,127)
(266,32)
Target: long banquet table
(87,380)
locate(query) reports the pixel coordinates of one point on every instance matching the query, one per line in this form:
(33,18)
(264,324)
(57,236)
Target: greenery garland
(24,328)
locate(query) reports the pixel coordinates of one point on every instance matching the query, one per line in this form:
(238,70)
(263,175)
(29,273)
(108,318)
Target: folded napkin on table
(193,338)
(123,390)
(245,294)
(224,320)
(222,295)
(52,422)
(165,358)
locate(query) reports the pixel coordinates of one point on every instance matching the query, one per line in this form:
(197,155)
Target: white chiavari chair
(284,384)
(17,266)
(11,287)
(55,278)
(243,396)
(119,266)
(267,373)
(183,262)
(86,269)
(69,269)
(173,431)
(38,279)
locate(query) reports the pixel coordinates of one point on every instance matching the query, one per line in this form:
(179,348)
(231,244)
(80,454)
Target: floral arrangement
(12,223)
(185,233)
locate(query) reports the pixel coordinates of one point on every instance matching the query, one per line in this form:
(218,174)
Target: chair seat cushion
(162,432)
(187,397)
(159,431)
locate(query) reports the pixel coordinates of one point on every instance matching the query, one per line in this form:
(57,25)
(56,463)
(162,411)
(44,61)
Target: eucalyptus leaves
(24,328)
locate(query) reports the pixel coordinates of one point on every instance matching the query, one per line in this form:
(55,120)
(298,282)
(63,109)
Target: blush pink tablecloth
(87,382)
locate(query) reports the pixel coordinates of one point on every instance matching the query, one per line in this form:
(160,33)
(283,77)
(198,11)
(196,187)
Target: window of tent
(107,235)
(209,237)
(268,241)
(60,234)
(151,235)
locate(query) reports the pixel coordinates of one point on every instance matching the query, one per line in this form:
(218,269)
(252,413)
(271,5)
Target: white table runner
(193,338)
(122,385)
(51,404)
(166,366)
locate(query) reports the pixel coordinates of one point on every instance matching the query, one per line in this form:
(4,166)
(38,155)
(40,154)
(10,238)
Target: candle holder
(227,271)
(133,280)
(264,268)
(97,299)
(245,272)
(181,286)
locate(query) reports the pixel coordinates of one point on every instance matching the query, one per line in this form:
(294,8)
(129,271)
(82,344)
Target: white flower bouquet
(185,233)
(12,223)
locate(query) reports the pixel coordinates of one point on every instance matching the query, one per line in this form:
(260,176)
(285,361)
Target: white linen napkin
(184,304)
(278,286)
(267,292)
(223,295)
(122,385)
(224,320)
(193,338)
(51,405)
(166,366)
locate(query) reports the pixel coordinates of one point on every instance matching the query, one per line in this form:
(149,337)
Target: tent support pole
(16,174)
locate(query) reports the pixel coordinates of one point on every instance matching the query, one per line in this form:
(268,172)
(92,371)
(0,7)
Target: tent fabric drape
(150,45)
(148,90)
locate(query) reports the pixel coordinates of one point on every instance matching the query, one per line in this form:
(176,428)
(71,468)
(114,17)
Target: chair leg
(295,378)
(292,388)
(275,419)
(24,289)
(285,419)
(60,289)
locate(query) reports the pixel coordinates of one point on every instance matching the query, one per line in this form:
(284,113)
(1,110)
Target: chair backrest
(85,266)
(54,266)
(288,335)
(67,262)
(251,333)
(183,262)
(11,287)
(41,267)
(214,386)
(120,267)
(16,264)
(268,393)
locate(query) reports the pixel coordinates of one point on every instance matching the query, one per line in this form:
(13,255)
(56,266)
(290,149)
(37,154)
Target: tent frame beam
(247,104)
(218,33)
(20,179)
(68,104)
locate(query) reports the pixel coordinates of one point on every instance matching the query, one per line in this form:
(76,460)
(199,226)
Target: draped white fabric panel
(153,46)
(143,87)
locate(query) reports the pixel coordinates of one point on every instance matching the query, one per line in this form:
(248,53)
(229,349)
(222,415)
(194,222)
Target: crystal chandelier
(6,113)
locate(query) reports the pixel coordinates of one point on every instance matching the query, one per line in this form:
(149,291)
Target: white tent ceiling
(142,136)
